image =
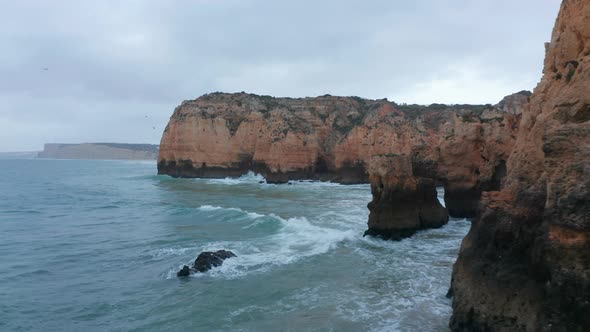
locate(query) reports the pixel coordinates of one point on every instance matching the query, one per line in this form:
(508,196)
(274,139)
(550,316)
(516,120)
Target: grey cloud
(113,62)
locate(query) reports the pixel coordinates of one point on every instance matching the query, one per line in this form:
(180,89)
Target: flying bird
(45,68)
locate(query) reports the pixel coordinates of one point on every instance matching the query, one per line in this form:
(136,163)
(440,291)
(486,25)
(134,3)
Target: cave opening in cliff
(498,176)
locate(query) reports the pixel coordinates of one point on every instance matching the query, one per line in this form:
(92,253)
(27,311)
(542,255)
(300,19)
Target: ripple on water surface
(95,245)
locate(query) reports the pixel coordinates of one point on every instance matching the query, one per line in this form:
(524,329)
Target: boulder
(206,261)
(184,272)
(210,259)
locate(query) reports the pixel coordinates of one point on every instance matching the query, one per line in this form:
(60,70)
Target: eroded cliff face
(403,202)
(525,264)
(334,138)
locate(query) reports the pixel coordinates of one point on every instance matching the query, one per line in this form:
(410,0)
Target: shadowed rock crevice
(462,202)
(499,175)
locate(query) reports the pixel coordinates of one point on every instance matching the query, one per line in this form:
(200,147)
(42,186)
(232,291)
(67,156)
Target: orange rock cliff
(520,167)
(525,264)
(332,138)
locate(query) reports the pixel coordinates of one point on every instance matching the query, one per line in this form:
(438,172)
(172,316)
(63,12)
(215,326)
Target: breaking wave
(292,240)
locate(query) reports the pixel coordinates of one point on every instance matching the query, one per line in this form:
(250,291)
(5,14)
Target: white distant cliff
(100,151)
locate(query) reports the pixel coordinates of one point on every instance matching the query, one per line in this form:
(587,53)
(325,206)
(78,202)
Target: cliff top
(267,102)
(343,113)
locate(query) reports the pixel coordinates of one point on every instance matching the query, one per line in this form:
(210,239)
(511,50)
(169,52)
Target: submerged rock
(206,261)
(210,259)
(184,272)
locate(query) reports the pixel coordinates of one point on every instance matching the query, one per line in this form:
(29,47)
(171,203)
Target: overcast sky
(116,69)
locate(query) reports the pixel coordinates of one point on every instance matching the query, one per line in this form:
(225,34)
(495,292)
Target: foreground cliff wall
(525,264)
(333,138)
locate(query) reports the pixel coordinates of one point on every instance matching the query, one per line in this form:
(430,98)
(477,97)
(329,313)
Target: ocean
(95,246)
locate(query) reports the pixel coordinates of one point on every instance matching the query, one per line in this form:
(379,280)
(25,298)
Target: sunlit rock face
(525,264)
(463,147)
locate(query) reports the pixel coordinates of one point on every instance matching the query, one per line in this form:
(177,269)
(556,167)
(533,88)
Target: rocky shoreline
(463,147)
(519,168)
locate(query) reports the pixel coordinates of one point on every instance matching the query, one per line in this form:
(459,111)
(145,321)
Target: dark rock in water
(184,272)
(392,235)
(261,182)
(403,203)
(206,261)
(210,259)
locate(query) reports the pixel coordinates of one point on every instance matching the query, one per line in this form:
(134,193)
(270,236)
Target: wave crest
(296,239)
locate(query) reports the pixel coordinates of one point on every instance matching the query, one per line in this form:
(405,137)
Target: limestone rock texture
(515,103)
(525,264)
(402,202)
(328,138)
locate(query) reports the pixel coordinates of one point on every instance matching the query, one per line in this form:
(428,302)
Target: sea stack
(402,202)
(525,264)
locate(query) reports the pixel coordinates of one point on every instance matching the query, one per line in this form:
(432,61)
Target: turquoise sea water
(95,246)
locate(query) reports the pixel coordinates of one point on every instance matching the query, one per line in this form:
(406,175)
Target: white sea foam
(298,238)
(409,300)
(253,178)
(249,177)
(165,252)
(440,193)
(315,183)
(252,215)
(209,208)
(353,220)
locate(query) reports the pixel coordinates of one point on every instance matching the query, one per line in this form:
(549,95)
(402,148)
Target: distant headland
(100,151)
